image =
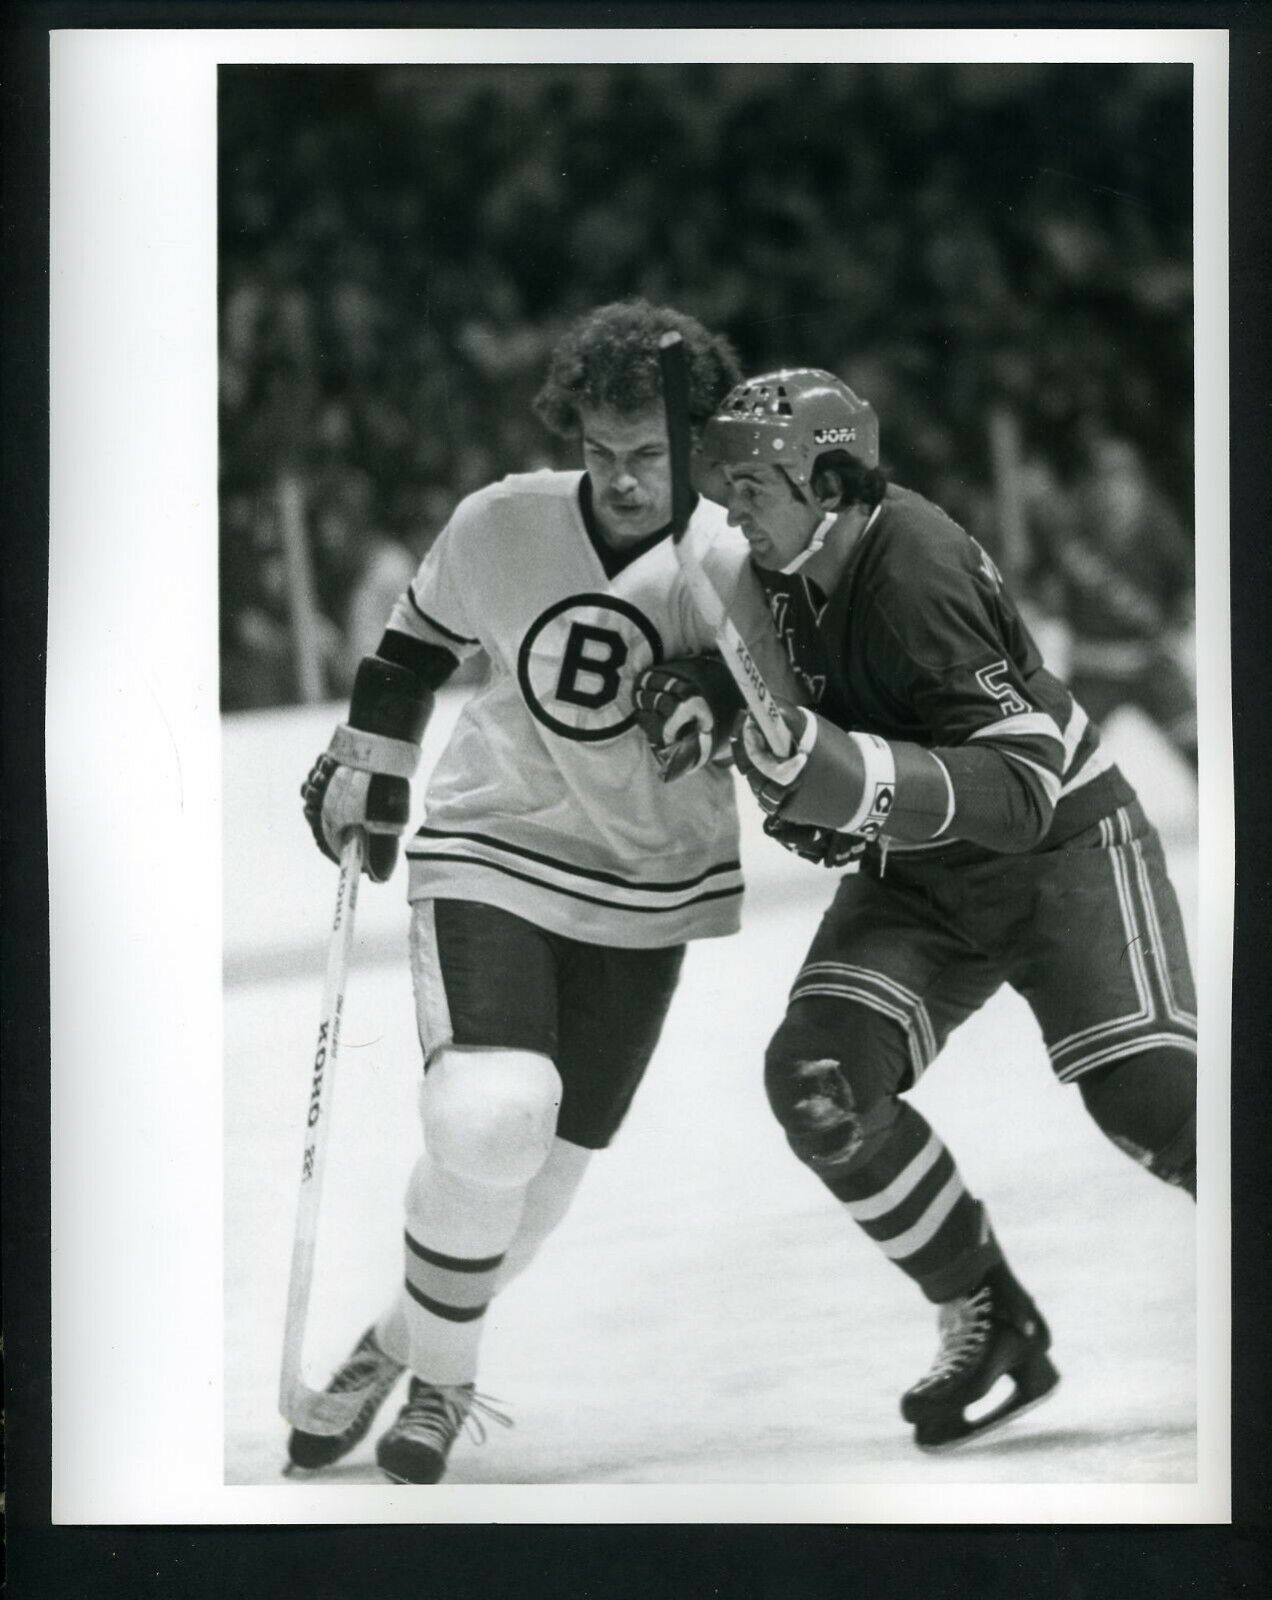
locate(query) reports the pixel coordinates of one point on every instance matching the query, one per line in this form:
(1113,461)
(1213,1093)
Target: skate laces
(434,1414)
(963,1326)
(367,1368)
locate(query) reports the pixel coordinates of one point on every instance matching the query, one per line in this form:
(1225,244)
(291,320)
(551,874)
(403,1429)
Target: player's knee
(1147,1105)
(490,1115)
(831,1109)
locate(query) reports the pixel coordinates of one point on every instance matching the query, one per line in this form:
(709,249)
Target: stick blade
(317,1411)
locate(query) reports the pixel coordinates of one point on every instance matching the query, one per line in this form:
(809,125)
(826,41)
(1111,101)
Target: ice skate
(994,1331)
(415,1448)
(367,1369)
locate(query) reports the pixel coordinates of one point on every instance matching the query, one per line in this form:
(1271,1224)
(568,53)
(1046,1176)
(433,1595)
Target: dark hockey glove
(685,709)
(363,778)
(823,846)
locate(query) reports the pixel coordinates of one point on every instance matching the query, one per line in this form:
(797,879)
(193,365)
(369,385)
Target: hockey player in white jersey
(557,875)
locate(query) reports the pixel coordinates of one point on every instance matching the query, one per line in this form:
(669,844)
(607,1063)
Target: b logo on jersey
(577,662)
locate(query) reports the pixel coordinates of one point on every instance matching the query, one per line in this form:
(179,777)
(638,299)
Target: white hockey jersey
(546,801)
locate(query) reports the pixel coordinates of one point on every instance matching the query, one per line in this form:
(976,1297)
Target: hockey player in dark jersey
(995,843)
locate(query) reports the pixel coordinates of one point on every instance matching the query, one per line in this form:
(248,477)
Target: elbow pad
(996,805)
(388,713)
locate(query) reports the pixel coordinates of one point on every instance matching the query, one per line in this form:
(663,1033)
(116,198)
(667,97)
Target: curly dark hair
(609,359)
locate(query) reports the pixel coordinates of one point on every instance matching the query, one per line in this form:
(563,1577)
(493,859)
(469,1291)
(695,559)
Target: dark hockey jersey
(920,643)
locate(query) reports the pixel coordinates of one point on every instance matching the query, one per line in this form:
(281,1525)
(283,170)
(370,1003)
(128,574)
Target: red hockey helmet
(787,419)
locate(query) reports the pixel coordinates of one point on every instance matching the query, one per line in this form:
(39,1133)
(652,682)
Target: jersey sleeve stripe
(1042,752)
(1049,780)
(432,622)
(1074,729)
(1083,771)
(949,790)
(1025,725)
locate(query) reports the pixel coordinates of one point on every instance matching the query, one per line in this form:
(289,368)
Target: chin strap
(813,545)
(819,538)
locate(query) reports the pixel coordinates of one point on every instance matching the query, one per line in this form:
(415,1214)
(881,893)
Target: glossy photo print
(692,705)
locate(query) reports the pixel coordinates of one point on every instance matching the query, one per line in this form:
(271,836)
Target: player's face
(629,463)
(776,524)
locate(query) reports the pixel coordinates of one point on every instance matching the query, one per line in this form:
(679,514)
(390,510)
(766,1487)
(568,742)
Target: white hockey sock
(546,1202)
(457,1233)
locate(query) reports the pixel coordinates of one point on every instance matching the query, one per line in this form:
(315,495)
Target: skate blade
(998,1418)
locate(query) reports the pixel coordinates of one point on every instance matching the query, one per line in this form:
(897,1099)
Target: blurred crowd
(400,247)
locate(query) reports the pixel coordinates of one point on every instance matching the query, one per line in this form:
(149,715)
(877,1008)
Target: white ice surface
(705,1315)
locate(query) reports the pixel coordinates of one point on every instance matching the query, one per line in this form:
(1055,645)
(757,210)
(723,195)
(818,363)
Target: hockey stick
(737,658)
(313,1410)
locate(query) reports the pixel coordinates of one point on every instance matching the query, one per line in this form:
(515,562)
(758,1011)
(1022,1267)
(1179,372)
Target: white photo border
(135,929)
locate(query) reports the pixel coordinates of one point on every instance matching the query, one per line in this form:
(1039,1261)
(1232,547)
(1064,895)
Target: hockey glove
(774,779)
(822,846)
(363,778)
(848,782)
(685,709)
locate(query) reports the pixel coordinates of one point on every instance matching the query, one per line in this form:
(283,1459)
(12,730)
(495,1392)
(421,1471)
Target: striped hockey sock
(908,1196)
(457,1234)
